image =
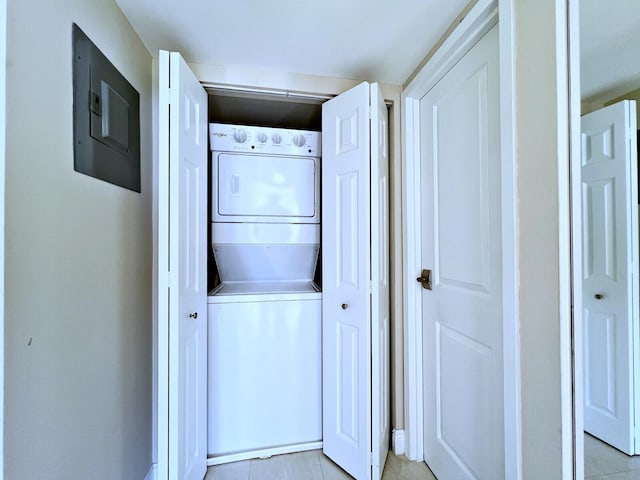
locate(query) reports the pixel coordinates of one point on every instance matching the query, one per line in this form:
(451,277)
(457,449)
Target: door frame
(471,28)
(574,195)
(480,19)
(477,22)
(259,81)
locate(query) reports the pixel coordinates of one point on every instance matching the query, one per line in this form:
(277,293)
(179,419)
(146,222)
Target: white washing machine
(265,336)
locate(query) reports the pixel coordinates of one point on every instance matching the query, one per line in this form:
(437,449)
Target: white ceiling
(610,48)
(376,40)
(373,40)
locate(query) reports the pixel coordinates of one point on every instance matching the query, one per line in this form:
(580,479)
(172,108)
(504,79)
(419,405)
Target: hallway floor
(312,465)
(603,462)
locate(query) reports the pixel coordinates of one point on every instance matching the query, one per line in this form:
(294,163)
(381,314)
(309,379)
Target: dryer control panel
(265,140)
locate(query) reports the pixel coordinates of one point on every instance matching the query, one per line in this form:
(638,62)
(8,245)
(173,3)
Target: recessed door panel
(191,260)
(348,384)
(460,210)
(346,259)
(599,231)
(600,362)
(461,425)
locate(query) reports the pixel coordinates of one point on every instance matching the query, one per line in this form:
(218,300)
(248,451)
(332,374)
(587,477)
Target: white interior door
(350,363)
(183,277)
(461,231)
(610,266)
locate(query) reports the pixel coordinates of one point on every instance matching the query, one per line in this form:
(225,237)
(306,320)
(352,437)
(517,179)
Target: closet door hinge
(369,287)
(371,459)
(169,95)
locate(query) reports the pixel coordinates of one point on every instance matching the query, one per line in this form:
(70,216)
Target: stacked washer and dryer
(265,377)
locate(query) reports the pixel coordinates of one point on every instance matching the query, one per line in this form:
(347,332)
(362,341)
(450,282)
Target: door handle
(599,296)
(193,315)
(425,279)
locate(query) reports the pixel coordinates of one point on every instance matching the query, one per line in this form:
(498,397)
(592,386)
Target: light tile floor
(603,462)
(312,465)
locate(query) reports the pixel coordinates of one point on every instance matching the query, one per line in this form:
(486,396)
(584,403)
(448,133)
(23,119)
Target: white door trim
(162,429)
(478,21)
(510,254)
(574,184)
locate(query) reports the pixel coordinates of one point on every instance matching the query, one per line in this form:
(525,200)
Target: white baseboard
(397,442)
(152,474)
(263,453)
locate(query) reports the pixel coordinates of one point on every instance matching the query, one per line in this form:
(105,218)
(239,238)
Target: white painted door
(182,257)
(380,328)
(354,308)
(610,266)
(461,231)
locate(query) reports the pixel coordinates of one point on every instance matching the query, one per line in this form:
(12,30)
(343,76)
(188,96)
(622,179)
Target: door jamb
(304,87)
(480,19)
(574,196)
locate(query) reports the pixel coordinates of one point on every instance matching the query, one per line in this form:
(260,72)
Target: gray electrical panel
(106,117)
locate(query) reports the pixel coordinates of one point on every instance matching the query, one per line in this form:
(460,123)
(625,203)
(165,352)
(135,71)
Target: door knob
(345,306)
(425,279)
(598,296)
(193,315)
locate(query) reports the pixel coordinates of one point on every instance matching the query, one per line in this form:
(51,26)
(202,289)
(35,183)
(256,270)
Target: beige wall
(633,95)
(540,84)
(78,266)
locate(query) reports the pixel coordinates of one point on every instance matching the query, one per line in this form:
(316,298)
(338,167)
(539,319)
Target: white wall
(79,259)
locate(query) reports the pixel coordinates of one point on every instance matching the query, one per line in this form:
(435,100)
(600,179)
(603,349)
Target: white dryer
(264,379)
(265,207)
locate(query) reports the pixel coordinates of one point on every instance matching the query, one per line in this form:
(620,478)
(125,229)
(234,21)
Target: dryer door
(265,188)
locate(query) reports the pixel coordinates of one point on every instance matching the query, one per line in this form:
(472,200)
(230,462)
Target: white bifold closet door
(610,282)
(182,262)
(355,298)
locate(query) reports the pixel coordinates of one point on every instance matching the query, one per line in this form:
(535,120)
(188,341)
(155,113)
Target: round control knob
(240,136)
(276,138)
(298,140)
(262,137)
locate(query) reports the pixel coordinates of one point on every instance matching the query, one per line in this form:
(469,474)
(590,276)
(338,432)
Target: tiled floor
(602,462)
(312,465)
